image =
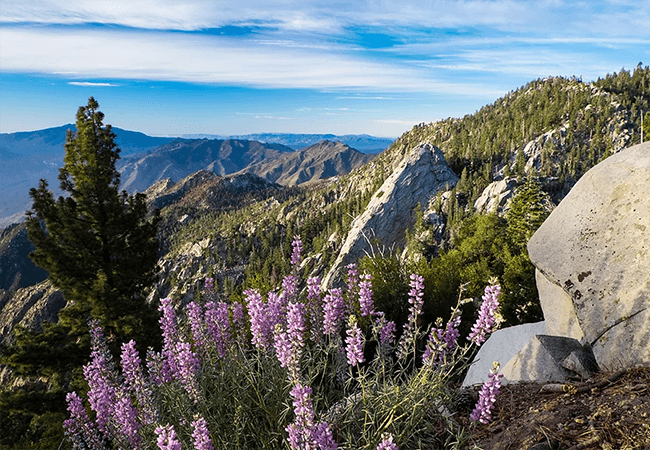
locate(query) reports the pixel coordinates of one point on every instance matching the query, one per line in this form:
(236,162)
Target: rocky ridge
(390,212)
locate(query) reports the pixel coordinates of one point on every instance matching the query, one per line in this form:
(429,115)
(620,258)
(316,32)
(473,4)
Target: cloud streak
(204,59)
(91,84)
(541,18)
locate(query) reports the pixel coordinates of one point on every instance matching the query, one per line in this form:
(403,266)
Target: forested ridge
(552,129)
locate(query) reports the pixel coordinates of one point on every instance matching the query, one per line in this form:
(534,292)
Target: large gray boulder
(422,173)
(593,258)
(501,346)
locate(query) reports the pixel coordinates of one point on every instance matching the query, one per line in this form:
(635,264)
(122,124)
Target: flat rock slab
(550,358)
(596,246)
(502,346)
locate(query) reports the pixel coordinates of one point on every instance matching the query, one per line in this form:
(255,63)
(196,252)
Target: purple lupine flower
(201,435)
(435,346)
(353,289)
(167,439)
(289,342)
(314,309)
(289,288)
(131,368)
(135,382)
(365,295)
(238,325)
(169,330)
(218,323)
(487,396)
(282,345)
(354,343)
(387,330)
(387,442)
(209,285)
(322,436)
(300,431)
(102,394)
(451,333)
(296,255)
(187,366)
(333,311)
(259,319)
(276,309)
(237,313)
(353,278)
(197,327)
(100,352)
(126,417)
(79,428)
(313,288)
(441,344)
(157,368)
(168,322)
(416,299)
(486,320)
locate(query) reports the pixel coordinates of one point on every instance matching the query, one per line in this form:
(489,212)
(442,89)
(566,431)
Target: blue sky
(234,67)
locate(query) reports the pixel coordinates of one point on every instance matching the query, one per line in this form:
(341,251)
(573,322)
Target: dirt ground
(610,411)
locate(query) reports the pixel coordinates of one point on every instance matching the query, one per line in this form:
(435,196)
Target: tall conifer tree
(100,249)
(96,244)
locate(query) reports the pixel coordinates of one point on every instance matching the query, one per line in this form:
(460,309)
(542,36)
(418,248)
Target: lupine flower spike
(483,410)
(416,299)
(296,255)
(365,296)
(201,435)
(486,319)
(167,439)
(354,343)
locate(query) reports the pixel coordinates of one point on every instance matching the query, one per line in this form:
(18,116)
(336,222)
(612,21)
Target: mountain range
(362,142)
(26,157)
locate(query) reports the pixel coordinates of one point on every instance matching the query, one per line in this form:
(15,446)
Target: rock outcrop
(390,212)
(29,307)
(592,257)
(496,197)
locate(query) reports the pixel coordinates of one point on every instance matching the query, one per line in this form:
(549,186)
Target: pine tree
(527,212)
(96,244)
(100,249)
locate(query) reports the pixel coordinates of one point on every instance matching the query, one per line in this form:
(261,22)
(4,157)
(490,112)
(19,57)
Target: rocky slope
(16,269)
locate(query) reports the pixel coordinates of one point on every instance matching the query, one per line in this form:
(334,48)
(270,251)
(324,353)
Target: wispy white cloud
(205,59)
(92,84)
(541,18)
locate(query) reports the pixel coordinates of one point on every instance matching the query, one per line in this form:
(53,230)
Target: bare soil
(609,411)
